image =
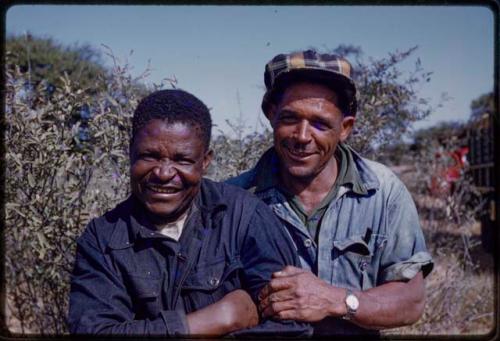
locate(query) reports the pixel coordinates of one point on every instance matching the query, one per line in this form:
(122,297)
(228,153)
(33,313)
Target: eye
(183,160)
(287,117)
(147,156)
(320,125)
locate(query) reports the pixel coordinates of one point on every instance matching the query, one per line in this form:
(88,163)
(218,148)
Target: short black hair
(173,106)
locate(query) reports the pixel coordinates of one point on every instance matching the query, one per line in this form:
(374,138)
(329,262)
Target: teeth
(298,153)
(163,190)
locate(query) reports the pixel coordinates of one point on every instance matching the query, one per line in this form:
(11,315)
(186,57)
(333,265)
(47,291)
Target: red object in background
(454,172)
(443,182)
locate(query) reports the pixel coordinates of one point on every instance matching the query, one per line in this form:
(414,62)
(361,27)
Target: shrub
(66,161)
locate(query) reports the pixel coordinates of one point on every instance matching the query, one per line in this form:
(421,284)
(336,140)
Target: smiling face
(308,125)
(167,161)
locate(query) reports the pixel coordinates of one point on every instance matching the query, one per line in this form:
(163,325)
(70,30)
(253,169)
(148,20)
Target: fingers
(288,271)
(275,308)
(279,296)
(274,285)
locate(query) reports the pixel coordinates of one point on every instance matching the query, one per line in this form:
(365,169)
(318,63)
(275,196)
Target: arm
(266,248)
(100,304)
(398,299)
(233,312)
(299,295)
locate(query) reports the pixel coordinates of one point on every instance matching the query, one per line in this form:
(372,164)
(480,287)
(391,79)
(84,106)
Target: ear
(207,158)
(346,128)
(271,114)
(131,150)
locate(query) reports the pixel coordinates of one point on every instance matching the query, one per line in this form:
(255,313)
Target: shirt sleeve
(100,304)
(405,253)
(266,249)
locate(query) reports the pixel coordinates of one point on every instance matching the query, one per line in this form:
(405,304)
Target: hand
(297,294)
(234,311)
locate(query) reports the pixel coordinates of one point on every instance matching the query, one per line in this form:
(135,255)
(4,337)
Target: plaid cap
(328,69)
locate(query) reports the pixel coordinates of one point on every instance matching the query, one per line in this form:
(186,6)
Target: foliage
(388,100)
(43,59)
(486,101)
(235,155)
(66,161)
(443,133)
(460,288)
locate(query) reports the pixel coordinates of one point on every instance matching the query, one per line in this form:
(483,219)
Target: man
(354,224)
(171,259)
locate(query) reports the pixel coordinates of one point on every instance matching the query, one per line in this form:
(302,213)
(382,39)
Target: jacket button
(213,281)
(307,243)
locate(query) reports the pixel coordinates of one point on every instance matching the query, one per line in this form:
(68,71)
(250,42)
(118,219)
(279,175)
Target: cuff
(406,270)
(176,322)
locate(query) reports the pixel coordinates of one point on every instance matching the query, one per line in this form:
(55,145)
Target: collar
(208,202)
(358,178)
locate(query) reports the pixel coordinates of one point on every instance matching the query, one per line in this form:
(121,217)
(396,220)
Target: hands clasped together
(297,294)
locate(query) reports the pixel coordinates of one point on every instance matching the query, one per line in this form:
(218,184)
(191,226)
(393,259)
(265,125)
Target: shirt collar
(267,171)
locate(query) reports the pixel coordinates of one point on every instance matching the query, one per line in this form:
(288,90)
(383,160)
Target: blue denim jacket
(130,279)
(365,240)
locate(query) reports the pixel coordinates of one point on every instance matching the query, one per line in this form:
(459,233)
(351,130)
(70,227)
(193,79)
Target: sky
(218,53)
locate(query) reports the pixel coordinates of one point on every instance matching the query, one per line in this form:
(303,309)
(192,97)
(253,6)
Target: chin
(300,172)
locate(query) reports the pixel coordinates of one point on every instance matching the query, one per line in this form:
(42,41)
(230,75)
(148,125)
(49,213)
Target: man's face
(307,126)
(167,162)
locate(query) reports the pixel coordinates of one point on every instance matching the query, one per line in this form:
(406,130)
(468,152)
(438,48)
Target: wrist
(351,303)
(337,307)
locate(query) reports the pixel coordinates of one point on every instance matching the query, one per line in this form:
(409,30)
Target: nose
(303,132)
(164,171)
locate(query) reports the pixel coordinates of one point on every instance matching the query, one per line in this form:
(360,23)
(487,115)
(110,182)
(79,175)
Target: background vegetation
(67,127)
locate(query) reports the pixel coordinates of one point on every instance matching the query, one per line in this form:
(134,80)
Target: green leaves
(55,183)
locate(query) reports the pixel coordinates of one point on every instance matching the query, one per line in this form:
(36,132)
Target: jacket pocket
(145,293)
(209,282)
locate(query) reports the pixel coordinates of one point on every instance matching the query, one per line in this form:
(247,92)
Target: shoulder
(230,193)
(100,230)
(378,175)
(245,180)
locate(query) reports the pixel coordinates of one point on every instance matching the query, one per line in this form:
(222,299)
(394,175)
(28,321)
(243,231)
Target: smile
(161,189)
(299,154)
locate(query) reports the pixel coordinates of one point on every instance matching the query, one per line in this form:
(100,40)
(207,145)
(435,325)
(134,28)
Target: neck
(313,189)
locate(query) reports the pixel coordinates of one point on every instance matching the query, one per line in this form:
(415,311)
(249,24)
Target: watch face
(352,302)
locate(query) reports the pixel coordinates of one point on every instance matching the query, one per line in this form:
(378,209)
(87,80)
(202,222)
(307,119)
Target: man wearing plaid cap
(353,222)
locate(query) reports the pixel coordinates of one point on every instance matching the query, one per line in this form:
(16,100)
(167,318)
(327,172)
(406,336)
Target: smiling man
(354,224)
(182,255)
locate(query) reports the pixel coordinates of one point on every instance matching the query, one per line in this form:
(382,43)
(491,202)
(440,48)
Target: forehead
(308,91)
(158,131)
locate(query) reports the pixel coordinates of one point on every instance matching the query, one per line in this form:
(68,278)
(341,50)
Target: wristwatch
(351,303)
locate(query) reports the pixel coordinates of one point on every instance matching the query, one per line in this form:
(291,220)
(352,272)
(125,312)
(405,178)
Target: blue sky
(218,52)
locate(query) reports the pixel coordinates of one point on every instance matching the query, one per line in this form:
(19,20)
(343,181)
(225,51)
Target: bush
(66,162)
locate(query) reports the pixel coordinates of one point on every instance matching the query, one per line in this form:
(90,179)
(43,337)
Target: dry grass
(460,289)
